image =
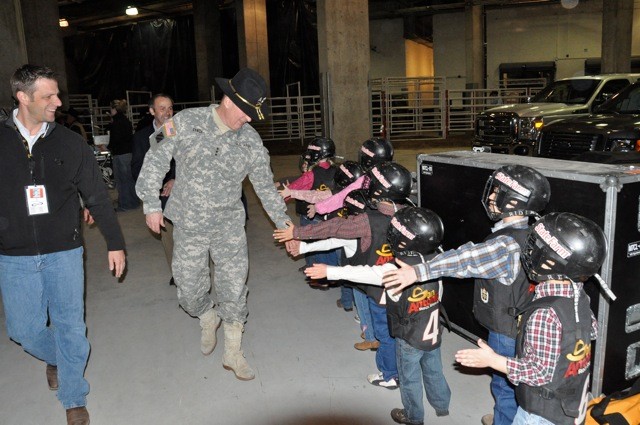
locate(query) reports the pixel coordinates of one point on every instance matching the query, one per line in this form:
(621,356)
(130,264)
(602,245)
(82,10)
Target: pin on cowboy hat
(248,91)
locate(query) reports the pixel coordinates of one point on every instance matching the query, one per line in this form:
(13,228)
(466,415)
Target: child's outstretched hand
(285,192)
(317,271)
(283,235)
(483,356)
(293,247)
(396,280)
(311,211)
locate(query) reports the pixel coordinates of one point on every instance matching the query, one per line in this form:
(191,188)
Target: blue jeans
(503,391)
(127,198)
(49,286)
(323,257)
(386,353)
(346,297)
(362,304)
(524,418)
(415,367)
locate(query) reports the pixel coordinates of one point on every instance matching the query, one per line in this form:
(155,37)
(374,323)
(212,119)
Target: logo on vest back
(384,255)
(579,359)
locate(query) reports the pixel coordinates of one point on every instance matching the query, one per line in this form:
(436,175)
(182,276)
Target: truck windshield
(572,92)
(625,102)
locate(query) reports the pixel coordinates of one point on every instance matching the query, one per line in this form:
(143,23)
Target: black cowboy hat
(248,91)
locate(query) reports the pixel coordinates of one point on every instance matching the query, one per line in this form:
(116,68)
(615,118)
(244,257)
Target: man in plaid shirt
(553,358)
(512,194)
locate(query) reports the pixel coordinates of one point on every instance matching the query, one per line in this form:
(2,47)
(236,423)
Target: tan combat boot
(209,322)
(233,358)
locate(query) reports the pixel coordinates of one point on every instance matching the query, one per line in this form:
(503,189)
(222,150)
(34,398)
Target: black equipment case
(452,184)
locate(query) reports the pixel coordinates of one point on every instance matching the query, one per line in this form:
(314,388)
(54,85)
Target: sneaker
(442,413)
(339,304)
(356,318)
(378,380)
(400,416)
(487,419)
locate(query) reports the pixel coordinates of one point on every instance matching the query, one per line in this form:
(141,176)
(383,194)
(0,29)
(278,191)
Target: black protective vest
(564,400)
(377,254)
(495,305)
(322,180)
(415,317)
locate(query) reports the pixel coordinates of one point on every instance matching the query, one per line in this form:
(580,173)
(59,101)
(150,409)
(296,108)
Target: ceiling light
(131,11)
(63,23)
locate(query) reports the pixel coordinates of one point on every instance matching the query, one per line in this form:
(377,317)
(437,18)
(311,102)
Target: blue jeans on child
(524,418)
(416,367)
(386,353)
(362,304)
(503,391)
(346,297)
(49,286)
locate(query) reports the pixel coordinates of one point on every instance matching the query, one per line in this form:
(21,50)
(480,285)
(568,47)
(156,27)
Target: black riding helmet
(375,151)
(389,181)
(318,149)
(347,173)
(414,230)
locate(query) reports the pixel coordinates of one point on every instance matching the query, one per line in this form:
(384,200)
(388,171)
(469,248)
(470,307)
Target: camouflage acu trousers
(227,246)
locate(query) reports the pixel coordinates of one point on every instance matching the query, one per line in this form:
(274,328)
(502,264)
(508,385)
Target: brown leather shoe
(78,416)
(366,345)
(52,377)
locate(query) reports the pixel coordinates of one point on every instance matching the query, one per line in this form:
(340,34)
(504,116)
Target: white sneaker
(378,380)
(356,318)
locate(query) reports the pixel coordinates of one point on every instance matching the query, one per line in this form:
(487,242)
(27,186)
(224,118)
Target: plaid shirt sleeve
(352,227)
(498,258)
(541,350)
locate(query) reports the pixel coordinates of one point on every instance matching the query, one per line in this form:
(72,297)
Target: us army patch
(169,128)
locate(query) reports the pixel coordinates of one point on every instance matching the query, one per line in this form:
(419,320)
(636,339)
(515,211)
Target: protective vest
(415,317)
(564,400)
(495,305)
(322,180)
(377,254)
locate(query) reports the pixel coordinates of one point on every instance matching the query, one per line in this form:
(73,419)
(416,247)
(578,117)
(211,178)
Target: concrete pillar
(343,50)
(44,38)
(206,22)
(617,26)
(474,46)
(253,41)
(13,53)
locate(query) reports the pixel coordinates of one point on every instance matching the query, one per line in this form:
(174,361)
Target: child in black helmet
(414,316)
(511,195)
(389,188)
(319,176)
(551,368)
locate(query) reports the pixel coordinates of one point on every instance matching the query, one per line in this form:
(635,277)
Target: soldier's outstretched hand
(396,280)
(317,271)
(283,235)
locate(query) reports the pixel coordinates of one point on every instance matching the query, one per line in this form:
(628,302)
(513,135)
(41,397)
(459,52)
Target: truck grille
(498,127)
(566,145)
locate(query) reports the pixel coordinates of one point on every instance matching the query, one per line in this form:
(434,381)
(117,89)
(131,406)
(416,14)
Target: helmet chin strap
(605,287)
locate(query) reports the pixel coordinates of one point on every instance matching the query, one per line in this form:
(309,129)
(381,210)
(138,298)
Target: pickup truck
(515,129)
(610,135)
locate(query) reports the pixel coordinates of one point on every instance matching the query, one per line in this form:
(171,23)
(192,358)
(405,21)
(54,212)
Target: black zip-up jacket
(66,166)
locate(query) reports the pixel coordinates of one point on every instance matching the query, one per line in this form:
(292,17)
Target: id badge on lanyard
(37,199)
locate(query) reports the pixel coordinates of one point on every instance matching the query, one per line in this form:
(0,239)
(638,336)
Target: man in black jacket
(43,168)
(161,108)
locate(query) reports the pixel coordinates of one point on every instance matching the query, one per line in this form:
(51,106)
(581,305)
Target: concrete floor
(146,367)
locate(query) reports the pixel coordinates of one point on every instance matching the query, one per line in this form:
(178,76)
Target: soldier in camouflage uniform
(214,149)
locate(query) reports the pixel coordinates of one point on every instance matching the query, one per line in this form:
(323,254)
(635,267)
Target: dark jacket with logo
(415,317)
(377,254)
(66,166)
(494,304)
(560,400)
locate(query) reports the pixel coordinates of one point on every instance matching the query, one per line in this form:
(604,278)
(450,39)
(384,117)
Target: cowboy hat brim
(251,111)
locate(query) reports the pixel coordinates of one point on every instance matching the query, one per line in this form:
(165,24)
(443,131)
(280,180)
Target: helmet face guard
(515,190)
(564,246)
